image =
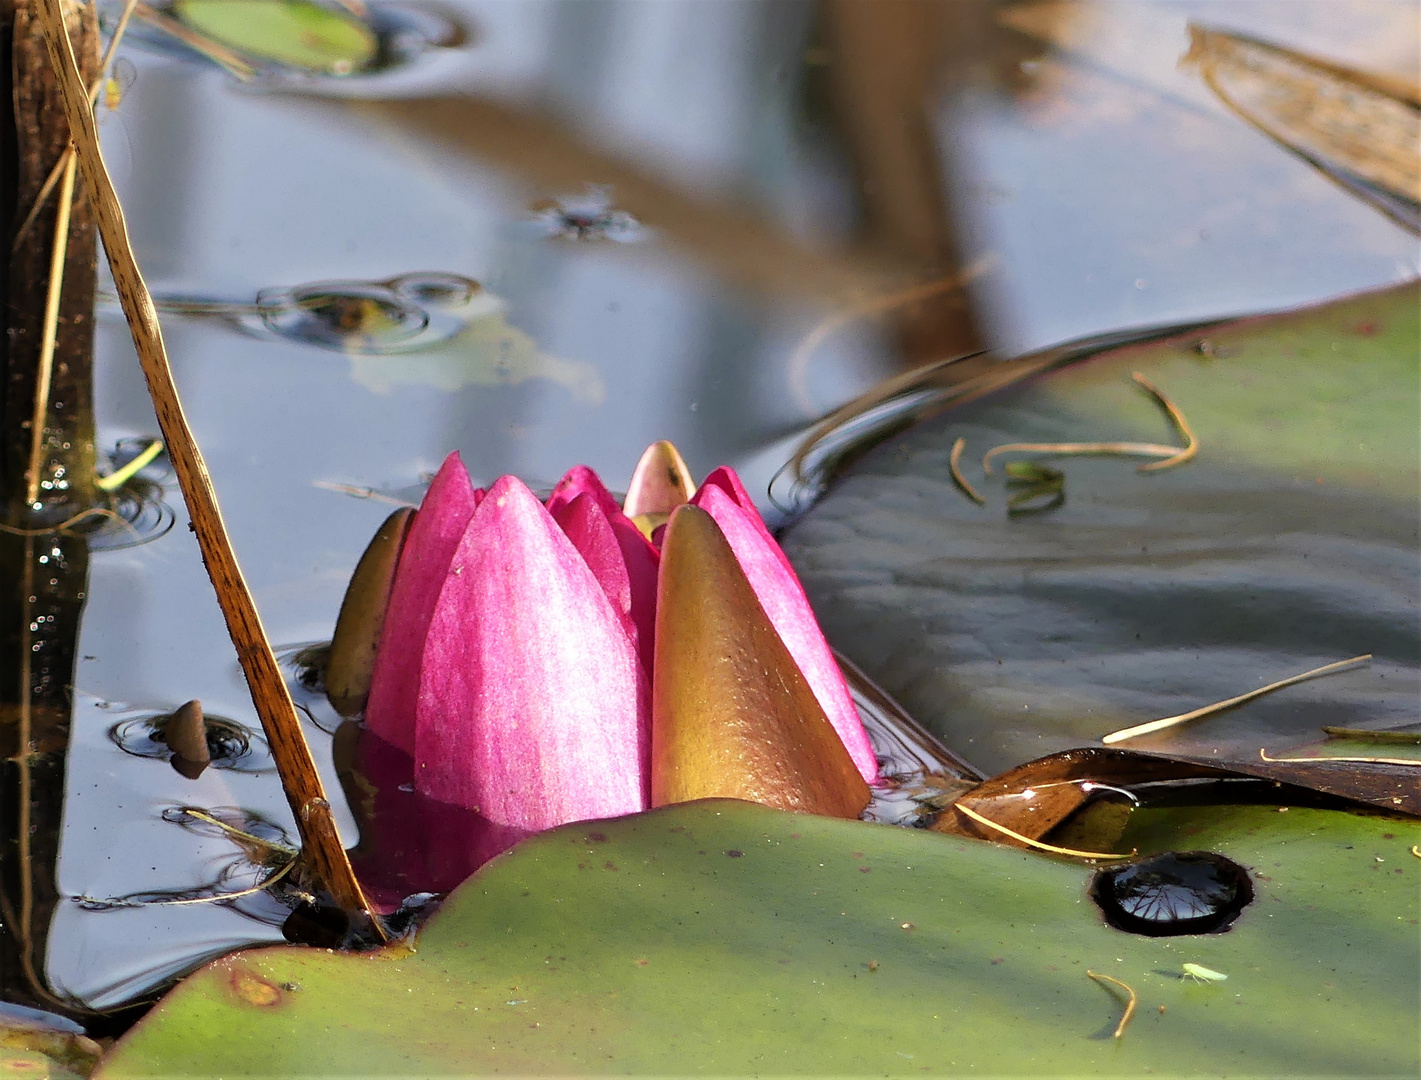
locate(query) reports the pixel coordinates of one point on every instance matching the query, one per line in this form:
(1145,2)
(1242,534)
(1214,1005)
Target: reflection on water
(782,163)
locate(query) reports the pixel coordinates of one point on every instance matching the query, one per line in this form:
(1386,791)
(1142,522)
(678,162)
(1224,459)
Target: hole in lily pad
(1189,892)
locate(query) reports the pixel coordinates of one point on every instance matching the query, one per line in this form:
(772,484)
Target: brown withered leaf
(1351,125)
(1034,798)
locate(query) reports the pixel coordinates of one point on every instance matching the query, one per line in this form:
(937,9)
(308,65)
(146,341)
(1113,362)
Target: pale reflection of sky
(1121,195)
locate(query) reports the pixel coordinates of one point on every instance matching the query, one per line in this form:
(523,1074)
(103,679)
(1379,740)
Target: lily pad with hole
(727,938)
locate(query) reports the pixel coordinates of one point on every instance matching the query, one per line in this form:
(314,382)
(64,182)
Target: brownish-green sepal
(660,483)
(362,616)
(732,716)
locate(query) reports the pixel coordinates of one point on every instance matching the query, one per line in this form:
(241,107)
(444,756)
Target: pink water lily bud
(533,705)
(777,588)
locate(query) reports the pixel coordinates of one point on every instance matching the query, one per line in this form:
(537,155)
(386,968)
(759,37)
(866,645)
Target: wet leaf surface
(729,938)
(1290,542)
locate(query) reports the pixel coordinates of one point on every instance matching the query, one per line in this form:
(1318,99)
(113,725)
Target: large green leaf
(1289,542)
(727,938)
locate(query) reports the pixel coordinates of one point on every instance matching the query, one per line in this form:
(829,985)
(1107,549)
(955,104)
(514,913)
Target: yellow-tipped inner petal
(660,483)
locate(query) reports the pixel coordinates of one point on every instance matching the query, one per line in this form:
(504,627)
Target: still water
(583,225)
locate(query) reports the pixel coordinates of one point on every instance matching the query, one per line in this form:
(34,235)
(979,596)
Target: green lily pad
(294,33)
(727,938)
(1287,543)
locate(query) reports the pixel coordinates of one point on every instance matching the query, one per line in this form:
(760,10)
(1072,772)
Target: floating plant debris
(1037,844)
(1191,892)
(954,464)
(1129,1004)
(589,216)
(1412,738)
(1171,455)
(131,467)
(285,39)
(399,314)
(1220,706)
(1036,488)
(1358,129)
(918,395)
(298,34)
(172,737)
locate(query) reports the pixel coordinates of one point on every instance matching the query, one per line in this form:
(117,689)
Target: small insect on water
(1199,973)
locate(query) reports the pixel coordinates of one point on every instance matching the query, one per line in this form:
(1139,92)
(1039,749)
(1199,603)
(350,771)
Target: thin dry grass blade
(219,54)
(1172,455)
(1078,449)
(116,479)
(1037,844)
(49,333)
(321,844)
(1129,1005)
(65,158)
(955,467)
(1220,706)
(1191,444)
(1409,762)
(798,364)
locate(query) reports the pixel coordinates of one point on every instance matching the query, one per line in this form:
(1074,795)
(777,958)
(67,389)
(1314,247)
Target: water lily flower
(545,663)
(510,667)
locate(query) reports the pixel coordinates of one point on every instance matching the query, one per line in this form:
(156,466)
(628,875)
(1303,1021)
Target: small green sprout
(1199,973)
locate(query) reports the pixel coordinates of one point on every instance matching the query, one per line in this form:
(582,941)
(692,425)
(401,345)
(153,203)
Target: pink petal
(640,555)
(781,595)
(585,524)
(581,480)
(533,707)
(440,521)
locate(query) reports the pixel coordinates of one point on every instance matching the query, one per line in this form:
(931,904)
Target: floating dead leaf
(1360,130)
(1030,800)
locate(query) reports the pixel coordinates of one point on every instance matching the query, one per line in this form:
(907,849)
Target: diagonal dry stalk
(1220,706)
(320,842)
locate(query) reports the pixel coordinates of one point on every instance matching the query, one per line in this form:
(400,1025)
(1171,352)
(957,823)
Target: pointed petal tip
(660,483)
